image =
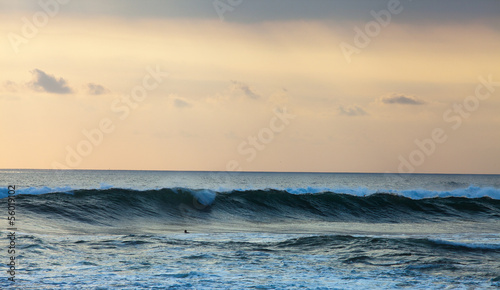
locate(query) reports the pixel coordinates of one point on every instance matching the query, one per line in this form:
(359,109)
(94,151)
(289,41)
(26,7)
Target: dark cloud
(422,11)
(401,99)
(95,89)
(245,89)
(181,103)
(352,111)
(48,83)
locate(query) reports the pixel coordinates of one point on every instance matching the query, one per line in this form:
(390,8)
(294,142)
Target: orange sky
(98,91)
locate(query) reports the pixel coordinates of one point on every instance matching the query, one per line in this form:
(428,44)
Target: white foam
(470,192)
(46,189)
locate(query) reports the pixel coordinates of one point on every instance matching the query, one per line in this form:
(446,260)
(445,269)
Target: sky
(251,85)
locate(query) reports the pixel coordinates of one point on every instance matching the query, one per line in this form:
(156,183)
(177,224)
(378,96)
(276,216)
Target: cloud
(9,98)
(95,89)
(264,11)
(353,110)
(401,99)
(10,86)
(245,89)
(232,135)
(48,83)
(181,103)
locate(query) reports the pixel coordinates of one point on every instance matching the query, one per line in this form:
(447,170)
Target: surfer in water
(186,232)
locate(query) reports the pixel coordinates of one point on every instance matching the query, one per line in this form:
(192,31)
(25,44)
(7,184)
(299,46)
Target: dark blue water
(125,229)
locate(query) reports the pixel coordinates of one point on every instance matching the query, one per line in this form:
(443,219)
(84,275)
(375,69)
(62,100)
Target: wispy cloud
(10,86)
(179,103)
(353,110)
(401,99)
(48,83)
(95,89)
(249,92)
(9,98)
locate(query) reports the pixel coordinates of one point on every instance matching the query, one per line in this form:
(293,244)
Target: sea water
(84,229)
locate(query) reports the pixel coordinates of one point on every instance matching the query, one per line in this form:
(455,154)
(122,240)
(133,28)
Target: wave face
(117,207)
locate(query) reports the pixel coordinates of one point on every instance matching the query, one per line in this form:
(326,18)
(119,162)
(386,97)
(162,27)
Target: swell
(123,207)
(367,242)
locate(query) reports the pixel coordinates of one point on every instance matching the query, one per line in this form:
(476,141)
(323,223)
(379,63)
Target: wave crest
(115,206)
(207,196)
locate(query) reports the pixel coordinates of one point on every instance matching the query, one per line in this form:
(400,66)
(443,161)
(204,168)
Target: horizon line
(252,171)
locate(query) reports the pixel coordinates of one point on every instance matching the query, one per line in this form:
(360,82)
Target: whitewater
(95,229)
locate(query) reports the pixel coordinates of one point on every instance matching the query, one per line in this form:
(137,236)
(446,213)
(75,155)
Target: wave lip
(46,189)
(470,192)
(207,196)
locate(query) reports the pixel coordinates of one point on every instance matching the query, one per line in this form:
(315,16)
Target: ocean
(106,229)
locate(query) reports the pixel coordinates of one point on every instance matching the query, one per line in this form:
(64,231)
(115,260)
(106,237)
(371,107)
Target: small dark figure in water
(186,232)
